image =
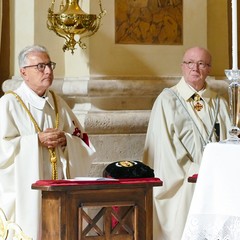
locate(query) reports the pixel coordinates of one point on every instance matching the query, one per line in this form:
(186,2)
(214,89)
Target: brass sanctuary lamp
(72,23)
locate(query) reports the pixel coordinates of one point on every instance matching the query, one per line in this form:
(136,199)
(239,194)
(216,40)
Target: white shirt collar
(28,95)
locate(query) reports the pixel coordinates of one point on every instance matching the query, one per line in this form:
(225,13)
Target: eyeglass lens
(201,65)
(42,66)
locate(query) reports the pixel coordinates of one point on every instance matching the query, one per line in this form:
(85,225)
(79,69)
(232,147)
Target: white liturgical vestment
(23,160)
(176,136)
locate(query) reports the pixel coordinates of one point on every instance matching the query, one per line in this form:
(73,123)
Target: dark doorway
(5,44)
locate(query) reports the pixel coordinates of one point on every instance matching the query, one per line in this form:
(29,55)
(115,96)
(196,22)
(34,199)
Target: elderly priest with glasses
(183,120)
(40,138)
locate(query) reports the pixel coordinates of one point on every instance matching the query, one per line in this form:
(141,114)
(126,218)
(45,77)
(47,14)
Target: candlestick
(234,104)
(234,36)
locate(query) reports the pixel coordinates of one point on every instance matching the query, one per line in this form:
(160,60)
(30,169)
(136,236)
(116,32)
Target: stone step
(116,147)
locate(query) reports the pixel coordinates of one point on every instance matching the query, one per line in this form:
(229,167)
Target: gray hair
(23,55)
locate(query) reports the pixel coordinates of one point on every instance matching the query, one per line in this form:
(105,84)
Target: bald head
(200,52)
(196,66)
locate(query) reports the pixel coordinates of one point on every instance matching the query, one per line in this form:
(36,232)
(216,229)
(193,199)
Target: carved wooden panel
(107,222)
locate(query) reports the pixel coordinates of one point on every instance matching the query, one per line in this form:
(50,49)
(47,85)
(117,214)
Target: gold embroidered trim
(7,226)
(52,152)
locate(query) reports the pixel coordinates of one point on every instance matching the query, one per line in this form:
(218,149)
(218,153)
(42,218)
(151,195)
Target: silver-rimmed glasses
(200,64)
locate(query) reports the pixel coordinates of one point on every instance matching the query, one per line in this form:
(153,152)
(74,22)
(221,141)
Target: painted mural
(149,22)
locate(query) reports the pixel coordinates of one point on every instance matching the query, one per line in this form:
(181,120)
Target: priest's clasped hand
(52,138)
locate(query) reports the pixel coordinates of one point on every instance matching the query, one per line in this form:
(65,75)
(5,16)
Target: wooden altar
(122,209)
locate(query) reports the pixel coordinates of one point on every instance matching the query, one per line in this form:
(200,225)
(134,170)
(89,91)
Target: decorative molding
(104,86)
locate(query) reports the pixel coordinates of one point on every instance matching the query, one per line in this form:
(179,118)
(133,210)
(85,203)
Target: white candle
(234,36)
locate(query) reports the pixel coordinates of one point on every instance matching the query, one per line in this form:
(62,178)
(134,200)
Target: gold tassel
(54,164)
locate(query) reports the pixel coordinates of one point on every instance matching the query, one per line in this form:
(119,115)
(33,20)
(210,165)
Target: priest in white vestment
(180,126)
(35,125)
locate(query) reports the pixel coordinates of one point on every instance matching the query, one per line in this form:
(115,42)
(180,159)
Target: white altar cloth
(215,208)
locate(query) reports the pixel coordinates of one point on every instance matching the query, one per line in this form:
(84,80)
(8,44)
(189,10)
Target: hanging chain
(52,152)
(102,12)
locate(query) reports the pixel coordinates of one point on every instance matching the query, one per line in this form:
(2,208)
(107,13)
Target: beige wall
(205,24)
(108,58)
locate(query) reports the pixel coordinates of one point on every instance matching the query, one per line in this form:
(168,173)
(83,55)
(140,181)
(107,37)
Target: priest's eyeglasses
(200,64)
(41,66)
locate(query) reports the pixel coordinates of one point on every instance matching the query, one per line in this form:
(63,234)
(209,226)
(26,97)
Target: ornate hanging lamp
(72,23)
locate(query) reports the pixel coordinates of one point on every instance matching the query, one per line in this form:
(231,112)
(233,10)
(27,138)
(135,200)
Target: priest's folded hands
(52,138)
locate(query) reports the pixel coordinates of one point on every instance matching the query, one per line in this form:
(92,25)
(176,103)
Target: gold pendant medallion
(198,106)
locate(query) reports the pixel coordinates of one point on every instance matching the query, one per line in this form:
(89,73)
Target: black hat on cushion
(128,169)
